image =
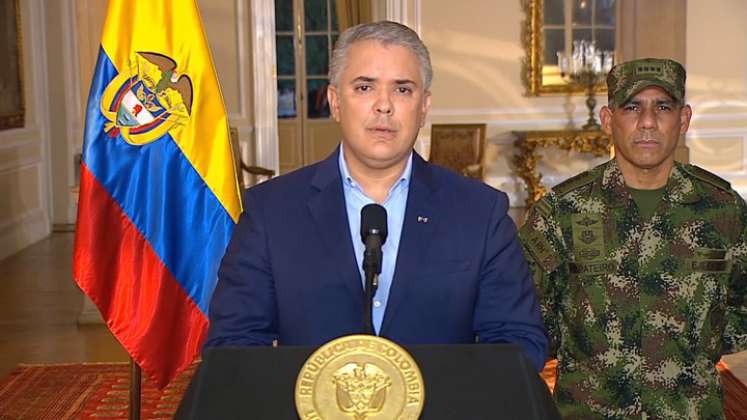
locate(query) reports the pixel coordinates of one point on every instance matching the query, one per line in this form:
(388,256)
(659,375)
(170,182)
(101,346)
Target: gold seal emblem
(359,377)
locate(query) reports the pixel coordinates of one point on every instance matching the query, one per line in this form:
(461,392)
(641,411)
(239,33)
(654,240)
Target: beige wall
(717,87)
(477,52)
(477,56)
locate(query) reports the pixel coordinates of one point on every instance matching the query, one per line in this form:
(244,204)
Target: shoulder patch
(543,207)
(574,182)
(540,250)
(707,177)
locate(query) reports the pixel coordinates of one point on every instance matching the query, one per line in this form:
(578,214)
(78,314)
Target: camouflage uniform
(639,311)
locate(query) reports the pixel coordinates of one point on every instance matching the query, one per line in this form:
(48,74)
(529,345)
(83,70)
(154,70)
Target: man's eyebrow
(657,101)
(363,79)
(405,82)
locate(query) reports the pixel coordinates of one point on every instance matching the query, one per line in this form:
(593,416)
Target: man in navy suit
(453,270)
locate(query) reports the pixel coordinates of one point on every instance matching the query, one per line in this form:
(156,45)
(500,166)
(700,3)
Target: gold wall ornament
(538,78)
(595,142)
(359,377)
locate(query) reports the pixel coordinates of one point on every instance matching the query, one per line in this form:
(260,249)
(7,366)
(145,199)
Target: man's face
(646,129)
(380,103)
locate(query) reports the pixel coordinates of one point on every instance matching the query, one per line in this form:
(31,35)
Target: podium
(462,381)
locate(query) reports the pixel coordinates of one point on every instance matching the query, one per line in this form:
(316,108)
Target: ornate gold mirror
(552,26)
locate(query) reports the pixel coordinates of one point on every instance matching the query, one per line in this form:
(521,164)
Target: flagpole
(135,380)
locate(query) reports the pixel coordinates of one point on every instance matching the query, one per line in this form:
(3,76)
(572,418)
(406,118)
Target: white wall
(477,55)
(717,87)
(25,209)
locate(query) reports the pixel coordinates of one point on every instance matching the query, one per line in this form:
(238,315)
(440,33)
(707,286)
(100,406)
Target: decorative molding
(89,313)
(399,11)
(534,110)
(396,10)
(74,124)
(265,90)
(721,133)
(418,21)
(241,35)
(19,136)
(18,164)
(22,231)
(714,132)
(520,124)
(40,68)
(738,116)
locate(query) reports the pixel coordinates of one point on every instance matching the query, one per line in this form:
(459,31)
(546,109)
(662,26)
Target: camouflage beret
(625,80)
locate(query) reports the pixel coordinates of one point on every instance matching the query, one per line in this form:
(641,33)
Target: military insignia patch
(588,253)
(587,221)
(588,236)
(146,100)
(541,250)
(593,268)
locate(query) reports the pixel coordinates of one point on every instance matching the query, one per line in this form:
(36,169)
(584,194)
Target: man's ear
(334,102)
(425,108)
(606,116)
(686,113)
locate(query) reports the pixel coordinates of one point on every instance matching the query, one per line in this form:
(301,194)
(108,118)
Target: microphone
(373,235)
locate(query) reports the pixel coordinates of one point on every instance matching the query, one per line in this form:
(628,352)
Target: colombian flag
(158,190)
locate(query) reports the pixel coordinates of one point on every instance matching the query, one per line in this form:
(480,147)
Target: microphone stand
(372,283)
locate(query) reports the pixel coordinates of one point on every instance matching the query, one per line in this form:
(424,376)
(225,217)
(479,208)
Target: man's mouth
(646,142)
(382,130)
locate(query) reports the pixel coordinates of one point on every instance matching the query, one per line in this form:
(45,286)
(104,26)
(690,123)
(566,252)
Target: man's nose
(383,103)
(647,120)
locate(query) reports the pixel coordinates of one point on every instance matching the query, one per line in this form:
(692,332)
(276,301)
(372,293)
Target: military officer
(640,264)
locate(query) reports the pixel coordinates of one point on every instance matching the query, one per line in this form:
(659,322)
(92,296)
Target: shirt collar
(348,180)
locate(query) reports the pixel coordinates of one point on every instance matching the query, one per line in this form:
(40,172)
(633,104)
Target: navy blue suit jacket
(290,274)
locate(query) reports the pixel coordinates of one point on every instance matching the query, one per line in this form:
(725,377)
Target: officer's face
(380,103)
(645,130)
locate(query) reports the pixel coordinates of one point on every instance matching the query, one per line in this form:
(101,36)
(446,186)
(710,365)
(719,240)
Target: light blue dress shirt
(395,204)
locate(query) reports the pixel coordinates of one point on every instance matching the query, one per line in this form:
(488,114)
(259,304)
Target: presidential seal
(360,377)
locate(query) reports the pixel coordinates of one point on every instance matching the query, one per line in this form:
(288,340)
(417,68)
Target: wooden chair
(460,147)
(258,173)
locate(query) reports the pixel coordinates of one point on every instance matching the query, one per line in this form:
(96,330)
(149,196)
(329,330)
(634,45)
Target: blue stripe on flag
(162,194)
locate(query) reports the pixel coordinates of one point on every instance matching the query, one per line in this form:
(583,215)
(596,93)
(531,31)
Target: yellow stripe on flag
(173,28)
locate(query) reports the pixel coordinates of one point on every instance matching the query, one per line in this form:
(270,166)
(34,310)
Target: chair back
(256,174)
(460,147)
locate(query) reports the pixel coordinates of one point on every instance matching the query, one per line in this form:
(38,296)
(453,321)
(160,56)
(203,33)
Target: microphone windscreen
(373,220)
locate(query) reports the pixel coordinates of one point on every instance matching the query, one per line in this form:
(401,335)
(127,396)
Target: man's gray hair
(387,33)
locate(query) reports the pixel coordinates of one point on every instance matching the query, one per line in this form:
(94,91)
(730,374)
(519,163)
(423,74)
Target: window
(306,31)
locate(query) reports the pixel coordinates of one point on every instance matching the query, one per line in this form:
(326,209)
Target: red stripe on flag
(144,306)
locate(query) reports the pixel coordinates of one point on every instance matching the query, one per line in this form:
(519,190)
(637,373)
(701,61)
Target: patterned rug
(83,391)
(100,390)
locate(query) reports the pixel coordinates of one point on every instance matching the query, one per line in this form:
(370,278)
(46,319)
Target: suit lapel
(418,231)
(328,211)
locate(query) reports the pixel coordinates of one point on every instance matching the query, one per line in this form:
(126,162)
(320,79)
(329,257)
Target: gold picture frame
(12,107)
(534,71)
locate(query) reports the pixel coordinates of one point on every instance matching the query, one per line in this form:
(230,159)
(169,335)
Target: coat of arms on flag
(144,103)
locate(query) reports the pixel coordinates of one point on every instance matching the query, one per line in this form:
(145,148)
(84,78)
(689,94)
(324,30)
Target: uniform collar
(680,187)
